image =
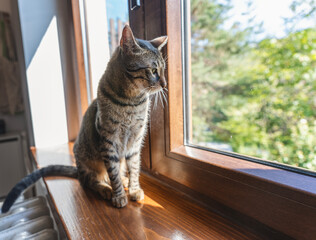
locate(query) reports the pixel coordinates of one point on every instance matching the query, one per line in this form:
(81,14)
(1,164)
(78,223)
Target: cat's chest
(123,125)
(130,117)
(132,125)
(132,122)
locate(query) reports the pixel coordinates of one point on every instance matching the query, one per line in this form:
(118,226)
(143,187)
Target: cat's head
(143,61)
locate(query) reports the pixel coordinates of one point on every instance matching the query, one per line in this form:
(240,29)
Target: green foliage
(259,98)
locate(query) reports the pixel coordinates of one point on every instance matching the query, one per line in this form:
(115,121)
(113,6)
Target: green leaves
(259,98)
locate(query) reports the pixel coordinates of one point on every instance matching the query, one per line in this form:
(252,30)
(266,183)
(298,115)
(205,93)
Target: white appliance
(12,164)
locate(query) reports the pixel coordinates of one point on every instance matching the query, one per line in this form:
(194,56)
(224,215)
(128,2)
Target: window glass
(117,14)
(251,88)
(104,21)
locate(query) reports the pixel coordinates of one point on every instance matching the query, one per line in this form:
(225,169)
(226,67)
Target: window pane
(252,86)
(104,21)
(117,13)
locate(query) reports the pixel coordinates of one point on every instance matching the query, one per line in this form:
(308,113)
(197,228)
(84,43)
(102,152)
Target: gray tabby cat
(114,126)
(107,150)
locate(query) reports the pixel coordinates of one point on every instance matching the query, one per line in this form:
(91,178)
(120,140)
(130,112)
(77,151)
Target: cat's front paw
(106,193)
(119,201)
(137,195)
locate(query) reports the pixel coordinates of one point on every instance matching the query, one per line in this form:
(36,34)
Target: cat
(107,149)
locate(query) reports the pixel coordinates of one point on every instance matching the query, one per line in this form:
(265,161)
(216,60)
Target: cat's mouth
(158,94)
(155,89)
(159,86)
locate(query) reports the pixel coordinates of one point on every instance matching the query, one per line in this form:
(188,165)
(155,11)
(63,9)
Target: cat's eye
(154,70)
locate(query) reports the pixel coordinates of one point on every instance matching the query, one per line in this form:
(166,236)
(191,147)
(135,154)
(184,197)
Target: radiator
(28,219)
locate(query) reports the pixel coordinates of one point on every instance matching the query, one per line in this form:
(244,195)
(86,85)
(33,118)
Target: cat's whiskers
(144,90)
(164,96)
(155,105)
(159,94)
(154,96)
(165,59)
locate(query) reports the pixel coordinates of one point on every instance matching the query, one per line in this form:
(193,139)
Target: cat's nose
(163,83)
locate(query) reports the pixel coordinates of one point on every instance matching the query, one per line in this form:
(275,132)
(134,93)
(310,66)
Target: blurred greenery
(257,96)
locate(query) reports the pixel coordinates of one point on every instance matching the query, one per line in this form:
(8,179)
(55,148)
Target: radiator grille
(28,219)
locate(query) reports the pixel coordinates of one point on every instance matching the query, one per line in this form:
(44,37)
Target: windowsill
(295,186)
(282,200)
(163,214)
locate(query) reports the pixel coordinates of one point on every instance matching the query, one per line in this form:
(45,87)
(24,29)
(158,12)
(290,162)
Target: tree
(216,53)
(259,98)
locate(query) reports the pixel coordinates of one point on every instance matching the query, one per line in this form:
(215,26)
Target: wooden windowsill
(163,214)
(295,186)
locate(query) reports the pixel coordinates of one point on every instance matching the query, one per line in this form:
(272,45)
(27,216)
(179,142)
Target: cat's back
(88,137)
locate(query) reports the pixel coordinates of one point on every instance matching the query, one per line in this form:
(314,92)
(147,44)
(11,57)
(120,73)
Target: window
(117,14)
(280,200)
(96,25)
(216,179)
(252,79)
(103,23)
(78,55)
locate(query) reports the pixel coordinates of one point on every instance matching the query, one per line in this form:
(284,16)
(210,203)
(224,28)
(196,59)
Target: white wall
(44,73)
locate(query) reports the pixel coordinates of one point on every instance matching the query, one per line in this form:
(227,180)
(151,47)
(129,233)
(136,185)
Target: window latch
(134,4)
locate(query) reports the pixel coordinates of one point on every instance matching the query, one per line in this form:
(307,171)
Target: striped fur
(53,170)
(108,148)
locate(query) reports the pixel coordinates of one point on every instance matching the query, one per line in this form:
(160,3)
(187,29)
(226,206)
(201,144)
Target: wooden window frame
(281,200)
(80,70)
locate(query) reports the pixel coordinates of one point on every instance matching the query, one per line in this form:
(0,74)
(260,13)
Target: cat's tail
(52,170)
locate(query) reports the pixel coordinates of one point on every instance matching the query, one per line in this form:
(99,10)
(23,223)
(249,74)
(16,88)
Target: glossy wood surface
(163,214)
(279,199)
(175,114)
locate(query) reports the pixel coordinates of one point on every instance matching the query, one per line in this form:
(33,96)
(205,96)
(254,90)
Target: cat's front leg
(112,164)
(133,163)
(119,198)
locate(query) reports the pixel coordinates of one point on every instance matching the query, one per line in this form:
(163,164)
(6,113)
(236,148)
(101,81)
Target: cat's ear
(128,42)
(159,42)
